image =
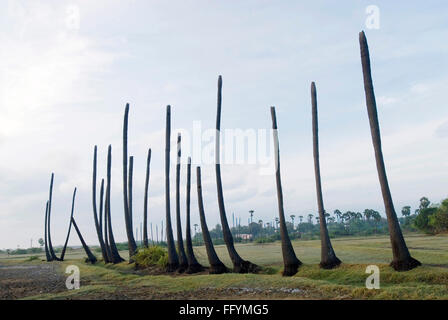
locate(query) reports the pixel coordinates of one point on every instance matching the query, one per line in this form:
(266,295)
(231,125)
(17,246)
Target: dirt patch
(19,281)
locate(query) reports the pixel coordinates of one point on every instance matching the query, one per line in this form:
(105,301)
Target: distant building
(244,236)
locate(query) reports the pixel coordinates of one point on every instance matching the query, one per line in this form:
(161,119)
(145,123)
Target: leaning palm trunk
(47,252)
(216,266)
(69,227)
(127,218)
(193,264)
(183,262)
(239,265)
(173,259)
(95,212)
(328,257)
(402,259)
(90,257)
(290,261)
(145,205)
(50,245)
(114,255)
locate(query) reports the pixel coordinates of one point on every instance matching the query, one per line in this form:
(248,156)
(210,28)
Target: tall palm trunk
(290,261)
(183,262)
(145,206)
(216,266)
(50,245)
(130,193)
(127,218)
(114,255)
(173,259)
(402,259)
(95,212)
(193,264)
(239,265)
(103,226)
(106,234)
(328,257)
(47,252)
(69,226)
(92,259)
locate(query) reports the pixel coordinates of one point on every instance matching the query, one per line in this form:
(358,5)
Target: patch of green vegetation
(32,258)
(150,257)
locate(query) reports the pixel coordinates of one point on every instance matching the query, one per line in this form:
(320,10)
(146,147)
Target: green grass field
(430,281)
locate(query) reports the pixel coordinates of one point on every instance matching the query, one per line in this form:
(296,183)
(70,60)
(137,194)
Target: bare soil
(23,280)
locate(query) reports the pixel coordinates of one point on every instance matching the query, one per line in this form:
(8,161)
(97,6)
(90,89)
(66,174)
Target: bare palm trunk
(183,263)
(130,193)
(328,257)
(239,265)
(95,212)
(193,264)
(173,259)
(145,206)
(402,259)
(47,252)
(114,255)
(216,266)
(127,215)
(69,227)
(290,261)
(50,245)
(90,257)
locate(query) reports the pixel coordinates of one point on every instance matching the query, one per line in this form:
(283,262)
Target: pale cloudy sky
(65,79)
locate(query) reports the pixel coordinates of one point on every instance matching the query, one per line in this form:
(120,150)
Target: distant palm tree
(310,217)
(402,259)
(292,219)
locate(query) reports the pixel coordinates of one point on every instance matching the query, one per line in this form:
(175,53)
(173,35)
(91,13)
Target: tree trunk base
(405,265)
(194,268)
(330,264)
(91,260)
(218,269)
(291,269)
(172,267)
(182,267)
(246,267)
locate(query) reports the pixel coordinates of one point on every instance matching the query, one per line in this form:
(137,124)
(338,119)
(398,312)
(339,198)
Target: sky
(68,68)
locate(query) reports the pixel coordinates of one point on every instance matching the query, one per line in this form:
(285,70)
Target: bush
(150,257)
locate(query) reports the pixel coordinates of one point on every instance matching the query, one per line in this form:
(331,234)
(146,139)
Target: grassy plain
(430,281)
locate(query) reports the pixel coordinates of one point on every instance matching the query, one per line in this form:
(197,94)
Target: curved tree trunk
(92,259)
(402,259)
(216,266)
(328,257)
(290,261)
(47,252)
(114,255)
(145,205)
(183,262)
(239,265)
(95,212)
(69,227)
(127,218)
(103,233)
(106,234)
(193,264)
(50,245)
(173,259)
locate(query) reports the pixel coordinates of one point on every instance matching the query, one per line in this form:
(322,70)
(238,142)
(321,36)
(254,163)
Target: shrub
(150,257)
